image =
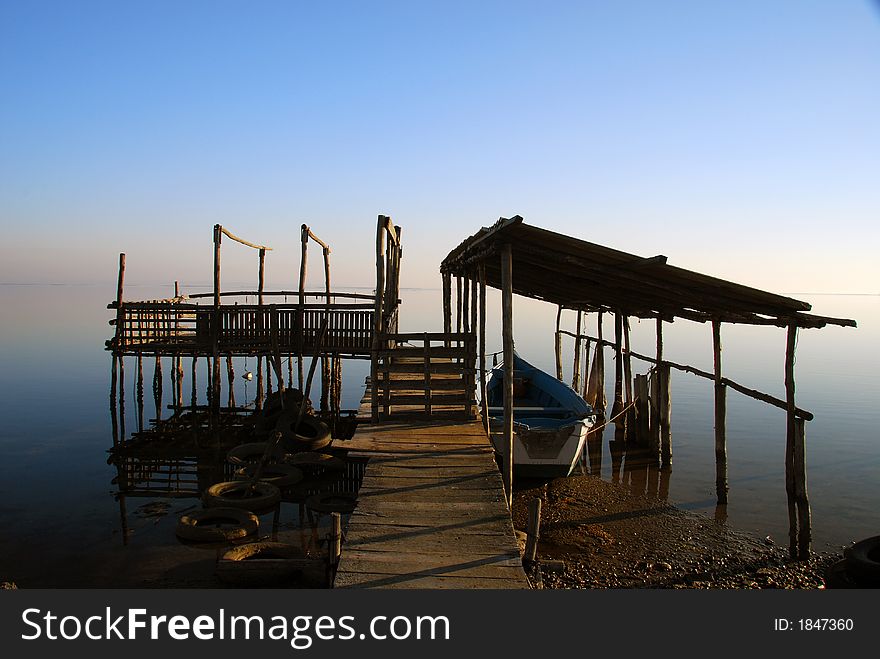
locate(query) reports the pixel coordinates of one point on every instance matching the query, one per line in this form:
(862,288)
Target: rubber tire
(332,502)
(317,460)
(190,528)
(251,453)
(284,475)
(224,495)
(863,560)
(836,576)
(316,435)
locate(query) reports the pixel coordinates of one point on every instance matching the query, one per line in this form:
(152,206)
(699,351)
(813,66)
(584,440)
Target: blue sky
(741,139)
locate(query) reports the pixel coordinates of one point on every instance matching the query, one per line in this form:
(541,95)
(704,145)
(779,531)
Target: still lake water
(64,526)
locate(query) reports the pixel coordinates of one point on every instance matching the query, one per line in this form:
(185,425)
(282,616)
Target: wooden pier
(431,510)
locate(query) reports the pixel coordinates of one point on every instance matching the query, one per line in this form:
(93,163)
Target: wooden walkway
(431,511)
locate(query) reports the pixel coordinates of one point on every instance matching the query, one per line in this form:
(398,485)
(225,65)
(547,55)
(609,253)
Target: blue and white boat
(550,420)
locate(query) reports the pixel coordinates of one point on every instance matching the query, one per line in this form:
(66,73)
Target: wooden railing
(425,373)
(244,328)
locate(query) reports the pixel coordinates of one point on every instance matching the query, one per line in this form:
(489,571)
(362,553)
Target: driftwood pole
(483,401)
(507,339)
(558,343)
(576,367)
(721,485)
(533,531)
(795,461)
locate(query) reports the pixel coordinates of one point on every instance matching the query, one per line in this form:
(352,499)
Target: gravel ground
(596,534)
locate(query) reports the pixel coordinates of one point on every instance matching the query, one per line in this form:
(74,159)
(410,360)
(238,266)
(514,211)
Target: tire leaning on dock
(311,434)
(233,494)
(204,525)
(863,560)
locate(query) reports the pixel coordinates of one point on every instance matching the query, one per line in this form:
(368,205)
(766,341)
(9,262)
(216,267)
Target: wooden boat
(550,420)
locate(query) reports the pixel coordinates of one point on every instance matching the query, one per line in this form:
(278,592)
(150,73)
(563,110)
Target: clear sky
(739,138)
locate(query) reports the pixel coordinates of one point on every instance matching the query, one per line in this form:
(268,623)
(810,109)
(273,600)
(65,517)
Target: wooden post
(576,368)
(447,304)
(627,377)
(800,489)
(215,338)
(325,359)
(121,398)
(484,402)
(665,415)
(558,343)
(377,318)
(304,239)
(654,442)
(139,391)
(507,337)
(533,531)
(795,461)
(642,410)
(230,378)
(114,417)
(465,305)
(334,545)
(721,485)
(586,368)
(426,345)
(473,323)
(599,364)
(194,394)
(458,304)
(618,368)
(157,386)
(118,370)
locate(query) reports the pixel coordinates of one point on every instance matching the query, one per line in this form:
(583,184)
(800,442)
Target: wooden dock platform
(431,510)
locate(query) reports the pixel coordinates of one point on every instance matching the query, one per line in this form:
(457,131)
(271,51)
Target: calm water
(64,526)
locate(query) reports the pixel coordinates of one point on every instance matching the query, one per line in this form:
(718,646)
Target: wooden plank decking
(431,511)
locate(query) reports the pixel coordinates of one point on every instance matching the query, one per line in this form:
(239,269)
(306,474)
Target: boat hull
(546,453)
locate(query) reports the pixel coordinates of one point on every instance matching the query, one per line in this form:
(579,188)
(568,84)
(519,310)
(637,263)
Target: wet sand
(596,534)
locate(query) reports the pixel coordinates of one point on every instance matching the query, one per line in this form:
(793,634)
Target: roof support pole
(558,344)
(507,339)
(618,367)
(628,381)
(795,462)
(721,486)
(576,366)
(447,304)
(483,402)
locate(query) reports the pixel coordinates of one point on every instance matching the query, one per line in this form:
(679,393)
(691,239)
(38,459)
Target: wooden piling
(157,387)
(618,368)
(799,516)
(533,531)
(599,363)
(447,304)
(576,366)
(484,403)
(721,485)
(642,407)
(377,317)
(230,379)
(215,327)
(665,404)
(304,239)
(139,391)
(121,398)
(507,339)
(465,305)
(261,281)
(458,304)
(194,394)
(558,342)
(114,418)
(627,376)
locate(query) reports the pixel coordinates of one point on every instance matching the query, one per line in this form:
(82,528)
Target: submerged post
(721,486)
(507,339)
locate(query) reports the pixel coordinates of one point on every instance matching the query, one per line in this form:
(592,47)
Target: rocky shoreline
(595,534)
